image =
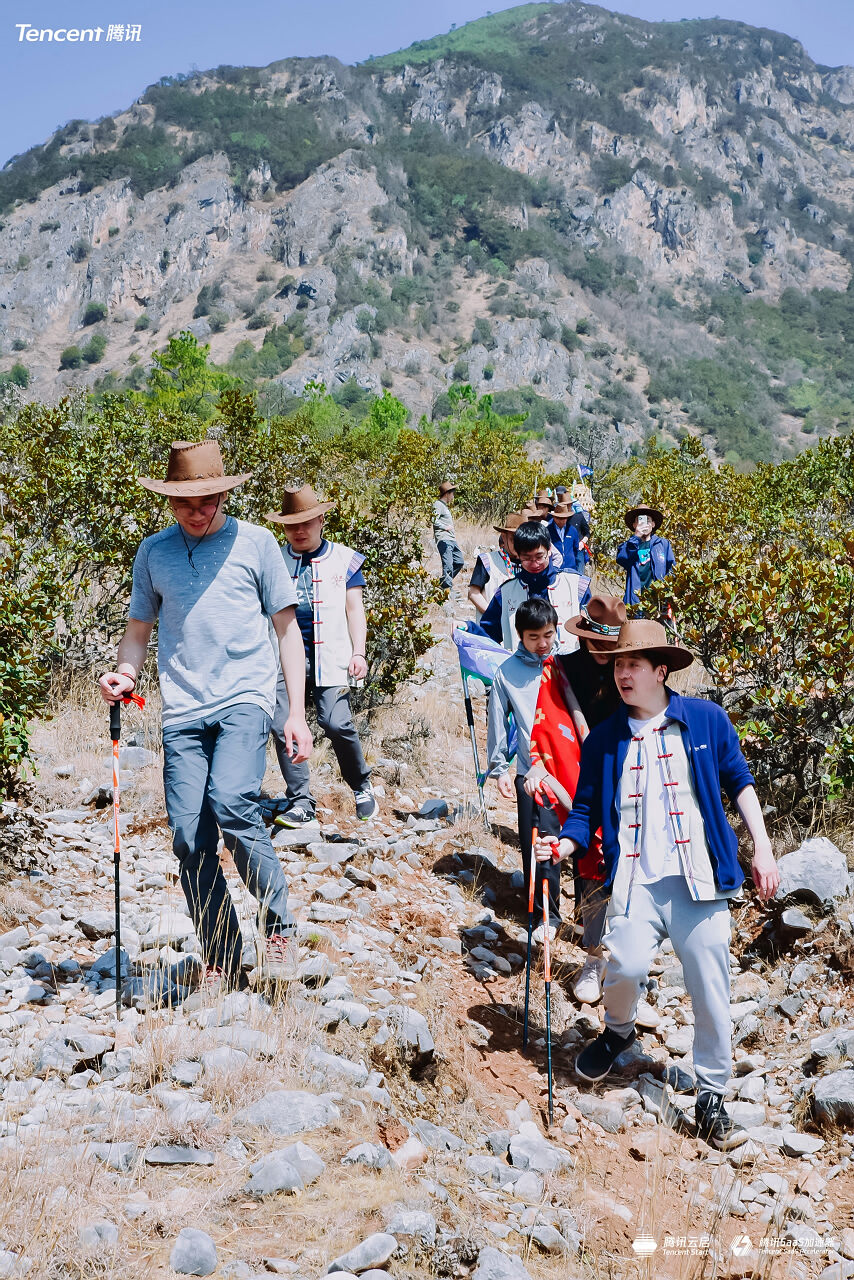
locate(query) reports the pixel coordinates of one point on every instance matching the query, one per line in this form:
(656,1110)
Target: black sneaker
(714,1125)
(366,803)
(594,1062)
(299,815)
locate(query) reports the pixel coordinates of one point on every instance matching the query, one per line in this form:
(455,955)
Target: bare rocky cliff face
(728,173)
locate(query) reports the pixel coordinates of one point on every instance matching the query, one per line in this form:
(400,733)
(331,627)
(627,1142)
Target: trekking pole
(474,751)
(547,962)
(531,882)
(115,734)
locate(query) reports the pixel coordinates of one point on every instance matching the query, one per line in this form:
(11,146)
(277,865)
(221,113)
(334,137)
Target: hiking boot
(714,1125)
(366,803)
(539,934)
(298,815)
(594,1062)
(281,959)
(587,987)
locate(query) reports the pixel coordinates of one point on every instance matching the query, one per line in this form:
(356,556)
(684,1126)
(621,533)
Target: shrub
(94,350)
(260,320)
(50,226)
(142,322)
(95,311)
(80,250)
(71,358)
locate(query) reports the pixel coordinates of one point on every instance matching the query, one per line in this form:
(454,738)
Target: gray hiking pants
(700,933)
(212,774)
(335,718)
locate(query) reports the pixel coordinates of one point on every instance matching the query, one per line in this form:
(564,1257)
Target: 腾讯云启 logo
(644,1246)
(741,1246)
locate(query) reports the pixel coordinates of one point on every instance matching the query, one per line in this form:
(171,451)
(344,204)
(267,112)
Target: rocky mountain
(622,226)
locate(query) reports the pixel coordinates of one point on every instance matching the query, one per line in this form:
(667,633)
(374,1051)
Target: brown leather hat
(447,486)
(194,470)
(544,499)
(644,638)
(655,516)
(299,505)
(511,523)
(601,620)
(563,509)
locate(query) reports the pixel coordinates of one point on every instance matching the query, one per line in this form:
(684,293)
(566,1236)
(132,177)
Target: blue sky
(44,85)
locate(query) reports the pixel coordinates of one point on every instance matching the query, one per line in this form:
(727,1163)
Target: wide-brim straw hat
(447,486)
(645,638)
(562,509)
(544,499)
(511,523)
(194,470)
(601,619)
(299,505)
(655,516)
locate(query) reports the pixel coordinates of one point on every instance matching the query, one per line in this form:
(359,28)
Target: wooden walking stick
(115,734)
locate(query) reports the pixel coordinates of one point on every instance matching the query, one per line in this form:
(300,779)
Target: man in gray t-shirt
(213,584)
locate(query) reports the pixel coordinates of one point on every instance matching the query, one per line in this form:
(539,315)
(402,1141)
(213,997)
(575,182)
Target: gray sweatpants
(335,718)
(700,933)
(212,773)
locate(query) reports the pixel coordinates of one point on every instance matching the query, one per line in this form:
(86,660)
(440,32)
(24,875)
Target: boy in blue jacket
(645,556)
(651,776)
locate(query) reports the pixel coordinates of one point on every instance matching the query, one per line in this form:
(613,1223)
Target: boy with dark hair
(645,556)
(651,778)
(537,577)
(514,692)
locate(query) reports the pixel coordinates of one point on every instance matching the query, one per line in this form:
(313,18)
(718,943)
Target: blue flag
(480,657)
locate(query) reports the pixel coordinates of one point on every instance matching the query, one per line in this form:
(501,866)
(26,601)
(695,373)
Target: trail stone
(528,1187)
(305,1160)
(289,1111)
(172,1155)
(372,1252)
(333,853)
(795,922)
(549,1239)
(492,1264)
(96,924)
(13,1266)
(99,1235)
(606,1114)
(116,1155)
(529,1150)
(327,1065)
(436,1137)
(317,970)
(833,1098)
(193,1254)
(272,1175)
(491,1171)
(816,872)
(372,1155)
(171,926)
(801,1144)
(413,1032)
(224,1058)
(415,1224)
(839,1042)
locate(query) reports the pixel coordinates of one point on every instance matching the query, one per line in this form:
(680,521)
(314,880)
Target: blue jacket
(567,542)
(661,555)
(716,760)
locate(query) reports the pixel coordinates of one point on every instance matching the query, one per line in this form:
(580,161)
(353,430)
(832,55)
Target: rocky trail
(378,1118)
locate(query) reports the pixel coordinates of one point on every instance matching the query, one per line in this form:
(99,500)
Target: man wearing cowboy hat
(577,692)
(327,577)
(651,778)
(444,534)
(645,556)
(492,568)
(214,584)
(564,536)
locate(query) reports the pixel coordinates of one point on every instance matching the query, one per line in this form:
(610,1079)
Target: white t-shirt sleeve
(144,600)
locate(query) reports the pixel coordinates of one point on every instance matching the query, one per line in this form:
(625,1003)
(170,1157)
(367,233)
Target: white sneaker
(587,987)
(539,934)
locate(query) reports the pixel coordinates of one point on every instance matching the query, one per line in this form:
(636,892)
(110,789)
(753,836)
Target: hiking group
(615,770)
(621,774)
